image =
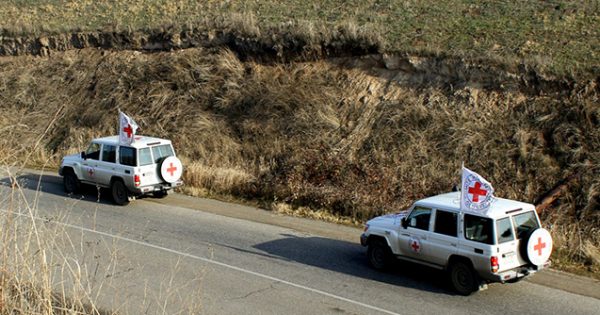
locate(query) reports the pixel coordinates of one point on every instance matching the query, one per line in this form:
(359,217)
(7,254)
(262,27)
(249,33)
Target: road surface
(191,255)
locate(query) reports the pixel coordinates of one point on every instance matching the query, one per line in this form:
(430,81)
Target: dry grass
(558,37)
(49,268)
(355,140)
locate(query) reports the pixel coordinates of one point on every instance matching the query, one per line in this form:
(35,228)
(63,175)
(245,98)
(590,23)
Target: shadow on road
(52,184)
(350,258)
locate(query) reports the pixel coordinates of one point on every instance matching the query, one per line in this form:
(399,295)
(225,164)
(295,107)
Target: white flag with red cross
(127,129)
(476,193)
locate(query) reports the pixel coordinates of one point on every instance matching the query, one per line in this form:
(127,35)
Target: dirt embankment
(323,124)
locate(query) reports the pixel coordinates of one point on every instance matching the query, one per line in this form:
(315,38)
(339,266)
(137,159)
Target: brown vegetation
(357,137)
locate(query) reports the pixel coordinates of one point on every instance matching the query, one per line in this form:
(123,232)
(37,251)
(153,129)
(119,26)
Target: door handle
(405,234)
(452,244)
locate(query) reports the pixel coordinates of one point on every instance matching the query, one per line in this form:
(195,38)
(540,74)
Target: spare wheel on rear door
(171,169)
(537,246)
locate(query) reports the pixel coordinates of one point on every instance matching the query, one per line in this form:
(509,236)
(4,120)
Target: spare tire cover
(539,246)
(171,169)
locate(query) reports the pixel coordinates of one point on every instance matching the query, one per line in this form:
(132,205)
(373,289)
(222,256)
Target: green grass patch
(558,37)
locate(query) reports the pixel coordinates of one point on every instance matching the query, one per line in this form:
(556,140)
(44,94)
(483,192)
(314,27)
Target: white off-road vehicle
(504,244)
(147,166)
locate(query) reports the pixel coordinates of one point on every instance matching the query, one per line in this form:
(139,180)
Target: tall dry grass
(47,267)
(343,135)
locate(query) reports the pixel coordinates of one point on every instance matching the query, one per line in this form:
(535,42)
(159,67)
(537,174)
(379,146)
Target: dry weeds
(358,143)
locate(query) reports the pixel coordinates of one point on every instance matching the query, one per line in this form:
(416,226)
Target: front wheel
(379,254)
(71,183)
(463,278)
(119,193)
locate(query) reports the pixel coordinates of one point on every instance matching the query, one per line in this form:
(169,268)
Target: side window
(504,231)
(93,151)
(446,223)
(127,156)
(109,153)
(419,218)
(524,223)
(145,157)
(478,229)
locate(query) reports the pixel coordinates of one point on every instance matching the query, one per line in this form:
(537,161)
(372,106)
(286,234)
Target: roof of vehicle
(451,201)
(140,141)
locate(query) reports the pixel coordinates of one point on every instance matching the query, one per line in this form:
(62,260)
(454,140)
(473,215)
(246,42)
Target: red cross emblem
(476,191)
(128,130)
(539,246)
(91,172)
(415,246)
(172,169)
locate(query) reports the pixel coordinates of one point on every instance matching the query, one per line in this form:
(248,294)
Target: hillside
(338,114)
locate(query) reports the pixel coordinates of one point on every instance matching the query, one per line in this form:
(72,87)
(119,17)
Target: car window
(478,229)
(446,223)
(93,151)
(127,156)
(524,223)
(109,153)
(161,151)
(419,218)
(504,231)
(145,157)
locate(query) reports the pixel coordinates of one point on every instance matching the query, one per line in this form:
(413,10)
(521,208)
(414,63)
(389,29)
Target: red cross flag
(127,129)
(476,192)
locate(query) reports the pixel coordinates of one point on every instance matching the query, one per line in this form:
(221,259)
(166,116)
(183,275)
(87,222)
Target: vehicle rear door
(508,253)
(476,241)
(444,239)
(149,174)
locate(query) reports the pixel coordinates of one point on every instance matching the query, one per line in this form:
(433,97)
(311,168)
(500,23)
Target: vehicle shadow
(350,258)
(52,184)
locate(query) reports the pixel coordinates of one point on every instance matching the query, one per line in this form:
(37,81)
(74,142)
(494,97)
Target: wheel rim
(119,192)
(377,256)
(462,277)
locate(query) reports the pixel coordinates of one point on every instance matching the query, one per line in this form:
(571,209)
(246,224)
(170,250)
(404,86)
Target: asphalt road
(189,255)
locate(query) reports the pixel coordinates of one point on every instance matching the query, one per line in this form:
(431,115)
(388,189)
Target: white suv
(147,166)
(505,244)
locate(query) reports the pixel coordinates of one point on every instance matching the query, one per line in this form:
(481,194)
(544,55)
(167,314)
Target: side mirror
(404,223)
(83,156)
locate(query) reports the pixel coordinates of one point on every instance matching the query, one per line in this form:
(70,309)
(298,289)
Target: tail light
(366,227)
(494,263)
(136,180)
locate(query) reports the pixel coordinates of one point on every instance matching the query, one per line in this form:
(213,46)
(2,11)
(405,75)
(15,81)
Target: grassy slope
(557,37)
(315,134)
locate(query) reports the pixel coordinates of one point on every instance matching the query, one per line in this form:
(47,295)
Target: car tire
(71,183)
(379,254)
(463,278)
(119,192)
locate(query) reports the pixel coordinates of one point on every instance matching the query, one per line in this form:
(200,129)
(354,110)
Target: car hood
(388,219)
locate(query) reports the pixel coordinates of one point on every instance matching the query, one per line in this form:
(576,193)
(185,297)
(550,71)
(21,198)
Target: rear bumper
(516,274)
(159,187)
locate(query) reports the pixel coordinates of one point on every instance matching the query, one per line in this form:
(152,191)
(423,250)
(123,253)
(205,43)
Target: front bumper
(363,239)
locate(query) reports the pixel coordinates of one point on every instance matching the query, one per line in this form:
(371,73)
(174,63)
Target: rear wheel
(379,254)
(119,193)
(463,278)
(71,182)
